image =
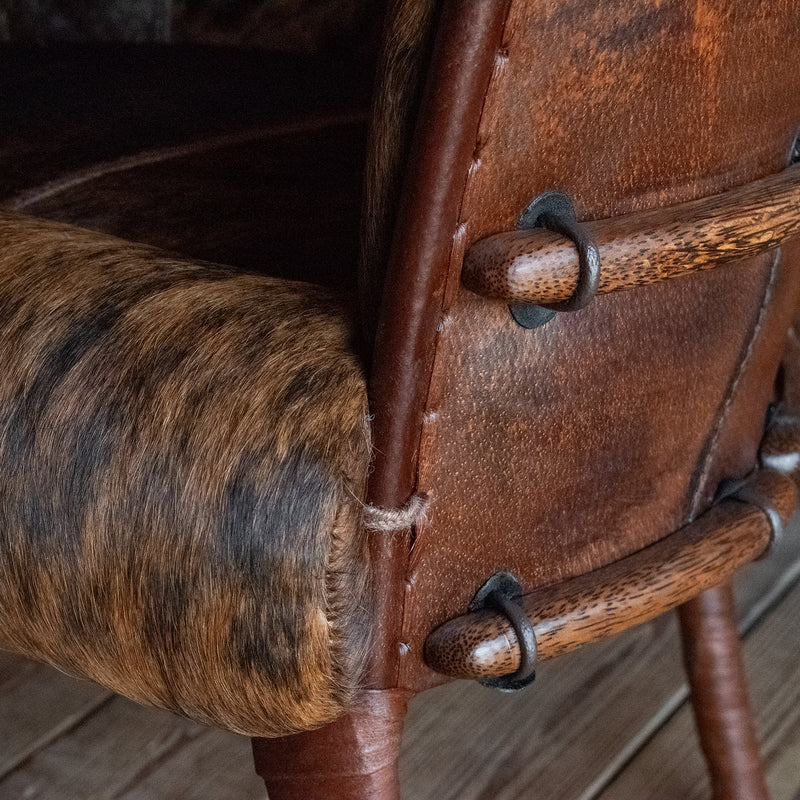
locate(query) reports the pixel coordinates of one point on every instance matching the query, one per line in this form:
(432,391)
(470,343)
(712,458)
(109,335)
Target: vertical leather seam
(711,450)
(459,234)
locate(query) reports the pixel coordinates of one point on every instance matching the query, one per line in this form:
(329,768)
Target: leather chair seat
(244,157)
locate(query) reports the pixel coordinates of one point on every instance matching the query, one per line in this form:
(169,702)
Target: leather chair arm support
(703,554)
(541,267)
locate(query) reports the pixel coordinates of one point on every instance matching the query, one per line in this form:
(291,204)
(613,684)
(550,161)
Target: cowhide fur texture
(183,452)
(405,51)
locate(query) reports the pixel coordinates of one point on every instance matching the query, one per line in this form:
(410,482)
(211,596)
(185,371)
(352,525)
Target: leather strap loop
(501,593)
(748,493)
(526,638)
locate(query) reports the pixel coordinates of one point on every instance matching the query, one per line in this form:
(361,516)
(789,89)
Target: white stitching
(385,520)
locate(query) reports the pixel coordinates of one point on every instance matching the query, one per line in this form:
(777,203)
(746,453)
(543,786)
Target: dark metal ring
(499,593)
(555,212)
(746,493)
(588,261)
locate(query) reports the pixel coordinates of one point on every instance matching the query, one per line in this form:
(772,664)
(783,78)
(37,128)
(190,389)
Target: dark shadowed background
(292,25)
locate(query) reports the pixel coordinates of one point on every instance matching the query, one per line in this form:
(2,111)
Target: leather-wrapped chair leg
(355,757)
(713,658)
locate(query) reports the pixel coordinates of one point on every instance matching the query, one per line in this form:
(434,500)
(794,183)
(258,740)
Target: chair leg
(353,758)
(713,659)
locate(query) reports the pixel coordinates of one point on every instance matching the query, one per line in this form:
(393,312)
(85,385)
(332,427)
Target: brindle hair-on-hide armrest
(183,453)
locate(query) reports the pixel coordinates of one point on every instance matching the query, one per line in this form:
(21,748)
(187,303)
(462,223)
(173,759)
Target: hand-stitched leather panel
(183,451)
(550,452)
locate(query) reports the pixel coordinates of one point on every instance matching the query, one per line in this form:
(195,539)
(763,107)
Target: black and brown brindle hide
(407,41)
(183,450)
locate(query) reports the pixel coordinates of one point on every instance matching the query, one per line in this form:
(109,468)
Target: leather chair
(578,275)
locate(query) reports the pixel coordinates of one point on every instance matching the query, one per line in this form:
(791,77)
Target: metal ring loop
(746,493)
(555,212)
(499,593)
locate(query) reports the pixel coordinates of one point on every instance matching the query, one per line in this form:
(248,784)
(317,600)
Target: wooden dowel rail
(482,644)
(541,267)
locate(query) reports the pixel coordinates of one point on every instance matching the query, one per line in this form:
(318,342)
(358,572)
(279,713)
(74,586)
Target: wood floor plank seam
(636,744)
(671,765)
(64,727)
(753,617)
(156,762)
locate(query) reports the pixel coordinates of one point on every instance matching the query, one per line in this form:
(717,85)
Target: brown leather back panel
(553,451)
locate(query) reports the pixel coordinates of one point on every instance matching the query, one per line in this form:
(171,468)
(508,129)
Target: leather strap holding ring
(555,212)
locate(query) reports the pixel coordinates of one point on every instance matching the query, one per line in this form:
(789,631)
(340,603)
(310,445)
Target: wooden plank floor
(610,722)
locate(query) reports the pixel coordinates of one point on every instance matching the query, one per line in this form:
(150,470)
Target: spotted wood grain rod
(540,266)
(482,644)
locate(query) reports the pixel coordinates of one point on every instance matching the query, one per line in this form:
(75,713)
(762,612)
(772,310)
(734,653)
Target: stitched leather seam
(459,236)
(711,450)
